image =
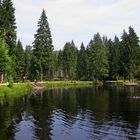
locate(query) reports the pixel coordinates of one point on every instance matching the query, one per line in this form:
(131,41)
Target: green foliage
(8,32)
(129,53)
(67,84)
(60,62)
(43,50)
(101,59)
(16,90)
(19,62)
(114,58)
(98,59)
(28,62)
(4,59)
(8,25)
(70,60)
(1,17)
(54,63)
(10,82)
(82,63)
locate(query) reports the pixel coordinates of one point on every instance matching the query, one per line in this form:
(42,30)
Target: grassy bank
(25,88)
(66,84)
(123,83)
(16,90)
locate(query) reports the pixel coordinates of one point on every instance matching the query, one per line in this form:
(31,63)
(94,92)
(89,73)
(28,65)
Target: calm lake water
(72,114)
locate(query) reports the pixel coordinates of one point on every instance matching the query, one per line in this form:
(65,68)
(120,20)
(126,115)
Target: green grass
(16,90)
(66,84)
(23,88)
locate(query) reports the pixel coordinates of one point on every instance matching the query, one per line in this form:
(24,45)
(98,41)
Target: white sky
(76,20)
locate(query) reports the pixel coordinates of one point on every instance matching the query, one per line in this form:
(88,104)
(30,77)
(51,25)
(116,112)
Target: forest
(102,59)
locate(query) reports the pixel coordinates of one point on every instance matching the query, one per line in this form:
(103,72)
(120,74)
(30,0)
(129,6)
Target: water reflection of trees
(98,110)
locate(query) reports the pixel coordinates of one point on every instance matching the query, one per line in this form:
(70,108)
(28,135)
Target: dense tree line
(8,37)
(101,59)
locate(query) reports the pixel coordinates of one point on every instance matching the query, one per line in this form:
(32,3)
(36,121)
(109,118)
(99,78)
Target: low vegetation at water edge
(66,84)
(16,90)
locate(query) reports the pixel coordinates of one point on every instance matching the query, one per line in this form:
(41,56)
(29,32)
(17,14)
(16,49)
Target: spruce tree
(43,49)
(19,62)
(124,55)
(60,64)
(98,59)
(133,49)
(1,16)
(70,60)
(88,49)
(28,62)
(5,65)
(66,58)
(9,26)
(73,60)
(129,55)
(82,63)
(54,64)
(116,59)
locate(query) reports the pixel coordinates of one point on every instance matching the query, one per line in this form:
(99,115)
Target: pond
(102,113)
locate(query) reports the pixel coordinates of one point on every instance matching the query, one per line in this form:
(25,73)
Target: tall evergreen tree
(129,55)
(8,25)
(43,49)
(88,49)
(124,63)
(82,63)
(133,50)
(1,16)
(4,60)
(28,63)
(70,60)
(54,64)
(60,64)
(19,62)
(116,58)
(73,61)
(66,58)
(98,60)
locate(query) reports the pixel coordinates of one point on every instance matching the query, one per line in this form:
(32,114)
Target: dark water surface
(73,114)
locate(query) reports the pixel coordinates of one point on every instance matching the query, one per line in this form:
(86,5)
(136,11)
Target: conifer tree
(5,66)
(66,58)
(124,55)
(19,62)
(1,16)
(60,64)
(98,59)
(54,64)
(129,55)
(116,59)
(8,25)
(73,60)
(89,76)
(70,60)
(133,49)
(43,49)
(82,63)
(28,62)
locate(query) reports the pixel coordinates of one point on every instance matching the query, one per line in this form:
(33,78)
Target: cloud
(77,19)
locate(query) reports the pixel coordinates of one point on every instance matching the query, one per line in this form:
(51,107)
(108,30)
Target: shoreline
(19,89)
(122,83)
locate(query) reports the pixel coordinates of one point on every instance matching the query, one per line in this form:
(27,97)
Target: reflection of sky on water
(73,114)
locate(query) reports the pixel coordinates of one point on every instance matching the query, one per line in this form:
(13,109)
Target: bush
(10,83)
